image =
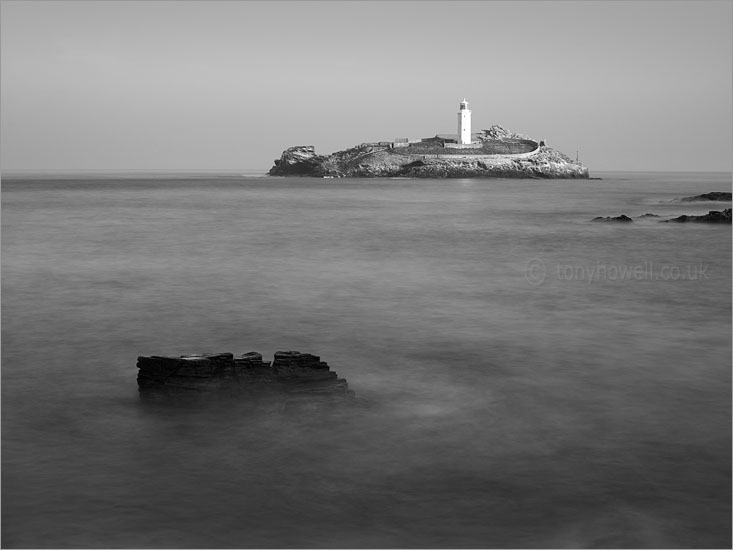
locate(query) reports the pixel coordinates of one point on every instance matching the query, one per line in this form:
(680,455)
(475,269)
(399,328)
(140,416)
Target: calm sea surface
(528,378)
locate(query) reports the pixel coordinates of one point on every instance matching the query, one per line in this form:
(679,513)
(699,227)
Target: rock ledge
(290,372)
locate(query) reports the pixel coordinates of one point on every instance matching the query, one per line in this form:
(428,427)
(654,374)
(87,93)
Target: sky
(174,85)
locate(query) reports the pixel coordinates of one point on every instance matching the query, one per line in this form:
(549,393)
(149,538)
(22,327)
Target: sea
(524,377)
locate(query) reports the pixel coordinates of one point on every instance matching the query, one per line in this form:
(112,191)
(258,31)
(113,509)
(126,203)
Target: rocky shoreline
(433,158)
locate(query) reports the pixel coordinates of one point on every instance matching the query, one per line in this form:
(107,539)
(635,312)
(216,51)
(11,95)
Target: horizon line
(73,171)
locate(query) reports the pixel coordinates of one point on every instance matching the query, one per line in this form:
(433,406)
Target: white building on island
(464,123)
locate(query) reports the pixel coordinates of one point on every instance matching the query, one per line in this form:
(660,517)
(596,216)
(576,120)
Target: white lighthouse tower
(464,123)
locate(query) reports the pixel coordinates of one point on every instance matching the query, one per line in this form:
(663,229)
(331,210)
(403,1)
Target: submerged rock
(290,373)
(714,196)
(714,216)
(621,218)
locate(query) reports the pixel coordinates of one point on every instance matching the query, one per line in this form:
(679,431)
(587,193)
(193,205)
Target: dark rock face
(622,218)
(300,160)
(649,215)
(714,216)
(290,373)
(714,196)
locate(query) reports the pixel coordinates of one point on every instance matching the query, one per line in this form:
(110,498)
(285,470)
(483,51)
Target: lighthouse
(464,123)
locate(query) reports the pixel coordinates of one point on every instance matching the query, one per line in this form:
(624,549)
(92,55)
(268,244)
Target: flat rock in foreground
(290,373)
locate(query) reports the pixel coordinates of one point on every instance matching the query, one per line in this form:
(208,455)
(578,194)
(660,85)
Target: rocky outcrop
(300,160)
(290,373)
(714,196)
(622,218)
(714,216)
(379,160)
(499,132)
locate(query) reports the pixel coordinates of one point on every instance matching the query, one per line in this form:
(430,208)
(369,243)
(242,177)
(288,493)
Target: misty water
(525,377)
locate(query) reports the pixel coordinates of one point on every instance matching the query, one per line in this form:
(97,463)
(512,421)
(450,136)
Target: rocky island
(492,153)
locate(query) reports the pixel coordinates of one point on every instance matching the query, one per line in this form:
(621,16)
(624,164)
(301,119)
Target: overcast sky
(229,85)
